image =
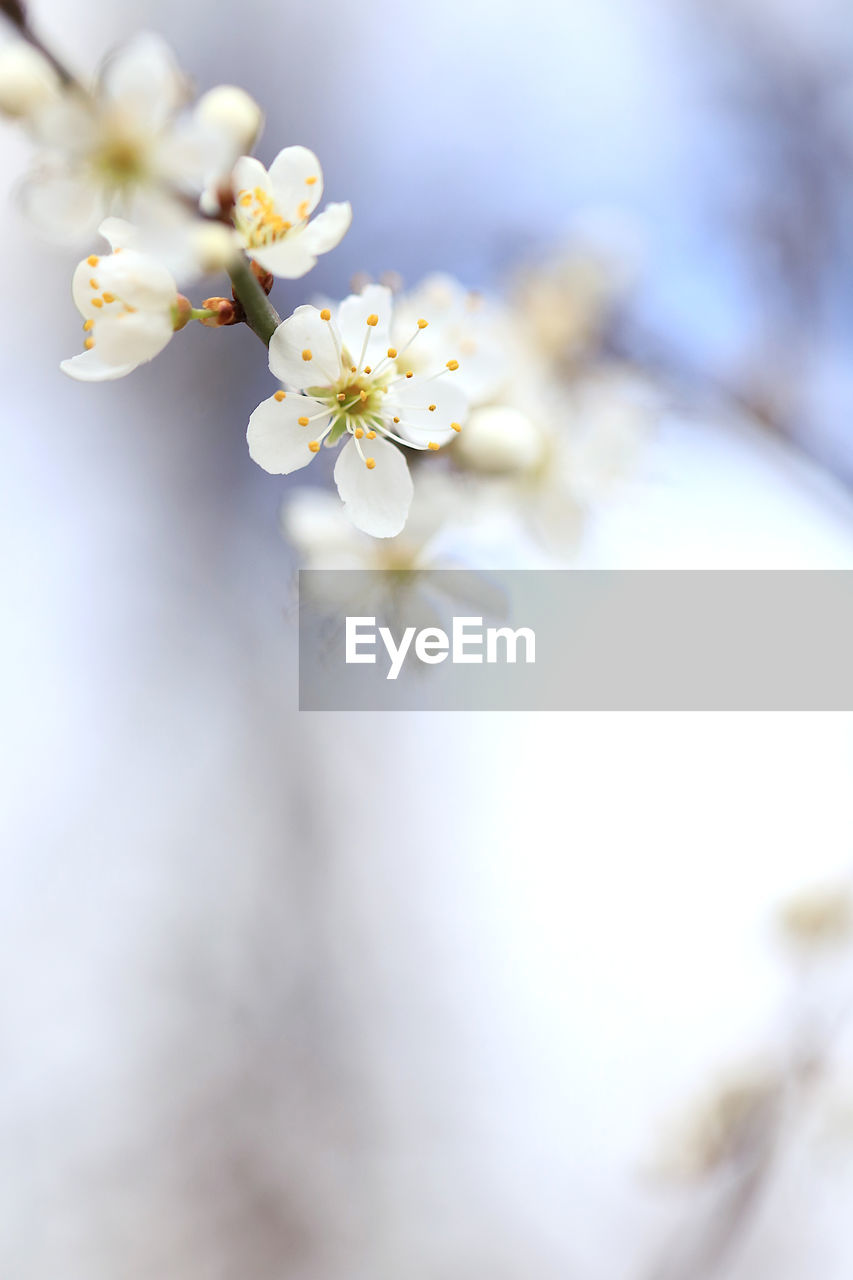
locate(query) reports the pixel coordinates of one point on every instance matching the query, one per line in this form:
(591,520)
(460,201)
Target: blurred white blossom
(132,146)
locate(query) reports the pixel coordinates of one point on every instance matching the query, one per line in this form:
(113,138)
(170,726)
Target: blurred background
(350,997)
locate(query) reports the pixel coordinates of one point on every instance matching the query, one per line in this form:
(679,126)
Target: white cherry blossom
(272,212)
(343,378)
(129,304)
(132,146)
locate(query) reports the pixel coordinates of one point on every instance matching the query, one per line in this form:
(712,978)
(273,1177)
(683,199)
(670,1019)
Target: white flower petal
(302,350)
(69,124)
(352,322)
(288,258)
(82,291)
(62,206)
(410,400)
(297,182)
(193,153)
(278,442)
(166,232)
(329,227)
(119,234)
(377,500)
(248,174)
(131,338)
(468,327)
(138,280)
(142,78)
(90,367)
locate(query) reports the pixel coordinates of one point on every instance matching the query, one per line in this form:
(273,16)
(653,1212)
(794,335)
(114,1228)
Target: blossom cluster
(169,183)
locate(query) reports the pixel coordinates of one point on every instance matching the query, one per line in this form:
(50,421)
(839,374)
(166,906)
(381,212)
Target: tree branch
(261,316)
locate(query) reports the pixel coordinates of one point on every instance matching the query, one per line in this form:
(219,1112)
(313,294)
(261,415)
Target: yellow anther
(89,343)
(391,352)
(358,433)
(432,445)
(96,302)
(457,426)
(342,395)
(307,355)
(370,463)
(396,419)
(93,260)
(90,324)
(280,395)
(453,365)
(373,320)
(362,395)
(410,374)
(309,182)
(353,369)
(314,446)
(422,324)
(93,284)
(109,297)
(432,408)
(325,314)
(371,435)
(303,422)
(367,369)
(246,198)
(302,211)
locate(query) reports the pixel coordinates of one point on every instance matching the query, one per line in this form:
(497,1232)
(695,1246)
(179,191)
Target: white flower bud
(215,246)
(27,80)
(232,111)
(499,439)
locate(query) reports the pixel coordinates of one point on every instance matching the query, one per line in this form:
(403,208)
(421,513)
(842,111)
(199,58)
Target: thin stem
(61,70)
(16,13)
(261,316)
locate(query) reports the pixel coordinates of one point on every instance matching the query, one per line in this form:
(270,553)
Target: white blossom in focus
(344,378)
(128,302)
(272,212)
(132,146)
(27,81)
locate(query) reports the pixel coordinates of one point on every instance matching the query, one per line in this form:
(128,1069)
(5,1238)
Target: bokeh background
(341,997)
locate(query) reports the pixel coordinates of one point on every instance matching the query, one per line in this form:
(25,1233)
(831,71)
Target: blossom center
(122,160)
(259,220)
